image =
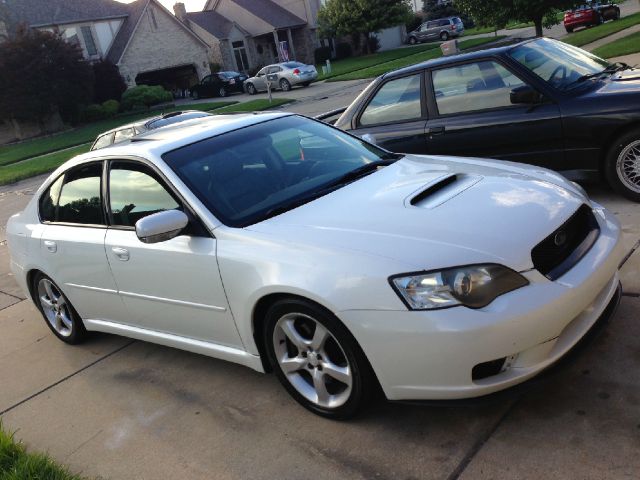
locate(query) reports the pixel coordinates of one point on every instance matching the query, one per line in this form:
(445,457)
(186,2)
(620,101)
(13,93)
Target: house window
(88,40)
(240,54)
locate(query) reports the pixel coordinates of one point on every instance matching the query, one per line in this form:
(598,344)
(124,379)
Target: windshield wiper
(611,68)
(348,177)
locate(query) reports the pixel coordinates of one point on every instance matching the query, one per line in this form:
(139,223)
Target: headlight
(474,286)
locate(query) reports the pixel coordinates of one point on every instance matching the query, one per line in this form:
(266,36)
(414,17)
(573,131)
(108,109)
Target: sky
(191,5)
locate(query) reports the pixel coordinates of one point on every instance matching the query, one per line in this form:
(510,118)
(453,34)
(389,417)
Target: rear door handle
(51,246)
(435,131)
(121,254)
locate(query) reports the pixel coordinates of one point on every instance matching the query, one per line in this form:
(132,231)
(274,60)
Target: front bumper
(430,355)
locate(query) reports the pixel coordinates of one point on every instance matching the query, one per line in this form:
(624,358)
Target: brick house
(243,35)
(147,42)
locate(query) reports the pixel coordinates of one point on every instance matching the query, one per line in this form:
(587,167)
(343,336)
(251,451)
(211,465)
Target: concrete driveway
(123,409)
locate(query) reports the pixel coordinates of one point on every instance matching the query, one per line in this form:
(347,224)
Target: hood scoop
(441,190)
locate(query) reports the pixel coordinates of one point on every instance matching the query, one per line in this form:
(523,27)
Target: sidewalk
(615,36)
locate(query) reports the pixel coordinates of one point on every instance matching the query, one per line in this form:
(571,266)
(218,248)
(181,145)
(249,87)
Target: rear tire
(622,165)
(285,86)
(569,30)
(222,92)
(317,360)
(57,311)
(413,40)
(444,36)
(251,89)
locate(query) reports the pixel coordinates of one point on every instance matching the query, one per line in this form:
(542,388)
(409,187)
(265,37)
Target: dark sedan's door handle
(435,131)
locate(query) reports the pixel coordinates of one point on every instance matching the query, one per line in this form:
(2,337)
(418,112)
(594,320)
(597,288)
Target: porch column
(292,51)
(277,41)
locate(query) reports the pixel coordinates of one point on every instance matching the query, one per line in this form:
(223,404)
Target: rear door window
(80,198)
(396,101)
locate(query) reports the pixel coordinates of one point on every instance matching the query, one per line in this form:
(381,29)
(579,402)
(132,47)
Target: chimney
(180,11)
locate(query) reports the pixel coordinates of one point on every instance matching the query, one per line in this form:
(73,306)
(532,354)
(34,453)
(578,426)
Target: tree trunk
(538,23)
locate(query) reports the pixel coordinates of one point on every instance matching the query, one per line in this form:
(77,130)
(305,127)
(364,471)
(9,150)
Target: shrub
(343,50)
(93,112)
(322,54)
(146,95)
(108,83)
(110,107)
(374,44)
(415,22)
(215,67)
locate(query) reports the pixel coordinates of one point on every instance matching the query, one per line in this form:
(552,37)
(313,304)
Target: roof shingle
(271,13)
(212,22)
(39,13)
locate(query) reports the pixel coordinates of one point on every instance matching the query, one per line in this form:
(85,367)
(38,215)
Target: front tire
(58,313)
(285,86)
(316,359)
(444,36)
(622,165)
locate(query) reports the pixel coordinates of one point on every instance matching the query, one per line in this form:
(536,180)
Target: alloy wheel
(285,85)
(628,166)
(55,307)
(312,360)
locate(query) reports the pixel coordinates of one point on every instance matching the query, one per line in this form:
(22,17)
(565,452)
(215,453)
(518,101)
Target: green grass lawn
(623,46)
(86,133)
(17,464)
(478,30)
(592,34)
(377,70)
(47,163)
(348,65)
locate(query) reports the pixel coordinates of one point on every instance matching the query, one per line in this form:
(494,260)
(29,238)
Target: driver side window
(473,86)
(134,193)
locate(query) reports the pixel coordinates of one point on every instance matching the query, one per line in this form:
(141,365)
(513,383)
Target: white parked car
(279,242)
(281,75)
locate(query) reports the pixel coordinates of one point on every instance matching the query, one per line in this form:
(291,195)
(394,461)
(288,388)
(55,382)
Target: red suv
(590,14)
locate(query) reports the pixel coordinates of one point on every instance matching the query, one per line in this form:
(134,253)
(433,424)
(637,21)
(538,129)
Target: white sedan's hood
(433,212)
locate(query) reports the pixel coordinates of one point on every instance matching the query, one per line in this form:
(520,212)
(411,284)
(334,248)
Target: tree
(354,17)
(433,9)
(42,75)
(488,13)
(109,84)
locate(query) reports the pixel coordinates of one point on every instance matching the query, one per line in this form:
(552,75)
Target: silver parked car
(125,132)
(442,28)
(281,75)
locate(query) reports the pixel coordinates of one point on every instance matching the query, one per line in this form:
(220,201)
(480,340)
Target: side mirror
(161,226)
(368,137)
(525,94)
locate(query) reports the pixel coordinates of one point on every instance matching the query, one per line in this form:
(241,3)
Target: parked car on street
(282,76)
(219,84)
(125,132)
(588,14)
(282,243)
(540,101)
(440,29)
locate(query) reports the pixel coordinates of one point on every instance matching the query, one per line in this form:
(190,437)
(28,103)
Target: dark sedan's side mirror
(525,94)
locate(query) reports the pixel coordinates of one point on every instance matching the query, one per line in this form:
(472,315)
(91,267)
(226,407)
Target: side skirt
(209,349)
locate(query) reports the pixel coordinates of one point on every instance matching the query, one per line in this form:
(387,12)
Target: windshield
(250,174)
(557,63)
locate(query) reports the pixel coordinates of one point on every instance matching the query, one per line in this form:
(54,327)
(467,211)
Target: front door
(471,114)
(172,286)
(394,117)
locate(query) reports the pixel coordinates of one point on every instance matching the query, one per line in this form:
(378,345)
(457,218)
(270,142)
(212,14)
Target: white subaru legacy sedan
(286,245)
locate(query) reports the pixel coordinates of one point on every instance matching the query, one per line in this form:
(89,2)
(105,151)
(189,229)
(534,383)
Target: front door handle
(435,131)
(121,254)
(51,246)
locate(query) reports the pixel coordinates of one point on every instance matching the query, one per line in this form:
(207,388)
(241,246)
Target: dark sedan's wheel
(413,40)
(222,92)
(622,166)
(285,86)
(617,17)
(251,89)
(61,317)
(444,36)
(316,359)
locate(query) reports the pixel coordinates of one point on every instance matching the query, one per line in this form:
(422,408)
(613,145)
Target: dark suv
(440,29)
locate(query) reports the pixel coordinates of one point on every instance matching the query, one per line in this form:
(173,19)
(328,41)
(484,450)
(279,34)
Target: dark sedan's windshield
(256,172)
(558,63)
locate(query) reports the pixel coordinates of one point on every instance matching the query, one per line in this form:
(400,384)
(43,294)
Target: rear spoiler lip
(331,113)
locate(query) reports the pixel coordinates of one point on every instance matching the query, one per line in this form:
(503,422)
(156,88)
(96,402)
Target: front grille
(561,250)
